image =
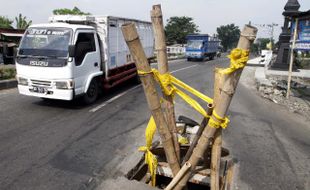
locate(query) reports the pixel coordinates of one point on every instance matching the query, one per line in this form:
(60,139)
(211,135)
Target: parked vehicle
(77,56)
(201,46)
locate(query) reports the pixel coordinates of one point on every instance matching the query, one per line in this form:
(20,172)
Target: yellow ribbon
(238,60)
(150,158)
(218,121)
(183,140)
(169,85)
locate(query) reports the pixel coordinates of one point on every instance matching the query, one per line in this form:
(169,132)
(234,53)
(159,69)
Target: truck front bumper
(51,93)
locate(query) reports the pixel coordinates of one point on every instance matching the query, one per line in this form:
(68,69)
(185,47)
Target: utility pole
(271,27)
(271,35)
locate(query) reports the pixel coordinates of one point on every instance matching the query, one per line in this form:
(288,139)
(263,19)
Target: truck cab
(59,61)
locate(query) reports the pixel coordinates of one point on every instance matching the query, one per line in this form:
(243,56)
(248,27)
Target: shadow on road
(78,102)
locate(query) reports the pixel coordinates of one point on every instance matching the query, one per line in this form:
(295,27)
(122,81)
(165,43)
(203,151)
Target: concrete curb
(5,84)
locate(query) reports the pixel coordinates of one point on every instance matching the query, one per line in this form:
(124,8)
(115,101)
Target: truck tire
(92,92)
(189,59)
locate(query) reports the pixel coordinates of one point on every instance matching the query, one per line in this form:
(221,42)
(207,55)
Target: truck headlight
(22,81)
(64,84)
(61,85)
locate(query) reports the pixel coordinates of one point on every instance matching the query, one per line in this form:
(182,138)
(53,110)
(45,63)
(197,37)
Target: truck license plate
(39,89)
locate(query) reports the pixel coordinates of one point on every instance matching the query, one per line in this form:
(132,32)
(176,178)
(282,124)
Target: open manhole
(201,180)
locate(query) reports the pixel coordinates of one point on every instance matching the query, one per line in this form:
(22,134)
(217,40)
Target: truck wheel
(189,59)
(92,92)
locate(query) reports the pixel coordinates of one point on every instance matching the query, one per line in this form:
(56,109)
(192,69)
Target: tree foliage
(229,35)
(21,22)
(65,11)
(5,22)
(178,28)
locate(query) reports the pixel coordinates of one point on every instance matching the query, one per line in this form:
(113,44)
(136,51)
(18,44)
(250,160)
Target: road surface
(62,145)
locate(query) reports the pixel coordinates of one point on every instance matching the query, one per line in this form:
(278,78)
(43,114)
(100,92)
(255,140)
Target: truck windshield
(194,44)
(45,42)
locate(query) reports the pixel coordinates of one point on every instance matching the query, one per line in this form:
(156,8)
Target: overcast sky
(207,14)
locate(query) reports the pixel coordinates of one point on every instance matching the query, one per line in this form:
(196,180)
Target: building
(291,13)
(176,49)
(9,41)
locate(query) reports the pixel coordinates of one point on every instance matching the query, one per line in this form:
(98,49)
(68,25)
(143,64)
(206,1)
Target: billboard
(303,34)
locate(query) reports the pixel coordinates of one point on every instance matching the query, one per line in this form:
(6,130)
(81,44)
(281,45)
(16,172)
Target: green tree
(21,22)
(65,11)
(5,22)
(178,28)
(229,35)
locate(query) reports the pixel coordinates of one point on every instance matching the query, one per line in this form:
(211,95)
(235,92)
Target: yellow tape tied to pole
(150,158)
(238,59)
(169,85)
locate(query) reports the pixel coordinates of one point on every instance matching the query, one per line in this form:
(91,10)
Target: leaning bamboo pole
(228,88)
(133,42)
(216,160)
(161,49)
(216,149)
(180,174)
(202,126)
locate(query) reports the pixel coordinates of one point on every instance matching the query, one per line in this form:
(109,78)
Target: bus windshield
(194,44)
(45,42)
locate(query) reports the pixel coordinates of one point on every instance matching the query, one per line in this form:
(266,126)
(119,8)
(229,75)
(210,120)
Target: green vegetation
(21,22)
(7,73)
(229,36)
(178,28)
(5,22)
(65,11)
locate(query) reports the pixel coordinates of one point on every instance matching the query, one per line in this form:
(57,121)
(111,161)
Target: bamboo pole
(230,82)
(198,134)
(291,61)
(216,160)
(132,39)
(180,174)
(217,142)
(161,49)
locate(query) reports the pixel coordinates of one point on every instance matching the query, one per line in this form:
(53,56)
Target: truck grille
(41,83)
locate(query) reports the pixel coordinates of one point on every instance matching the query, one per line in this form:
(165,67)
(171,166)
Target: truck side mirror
(71,50)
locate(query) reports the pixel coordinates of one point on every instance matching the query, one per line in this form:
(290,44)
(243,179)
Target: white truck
(77,56)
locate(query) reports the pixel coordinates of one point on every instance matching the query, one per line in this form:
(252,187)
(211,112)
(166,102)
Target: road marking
(112,99)
(184,68)
(129,90)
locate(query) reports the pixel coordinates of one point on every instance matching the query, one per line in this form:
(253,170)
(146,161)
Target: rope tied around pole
(238,59)
(218,121)
(171,86)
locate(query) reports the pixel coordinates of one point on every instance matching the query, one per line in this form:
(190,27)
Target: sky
(207,14)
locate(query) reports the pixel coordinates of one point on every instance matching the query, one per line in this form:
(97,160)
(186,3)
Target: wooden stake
(217,142)
(197,135)
(132,39)
(291,60)
(216,160)
(228,88)
(161,49)
(180,174)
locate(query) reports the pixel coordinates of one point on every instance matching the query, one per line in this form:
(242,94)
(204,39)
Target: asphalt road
(62,145)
